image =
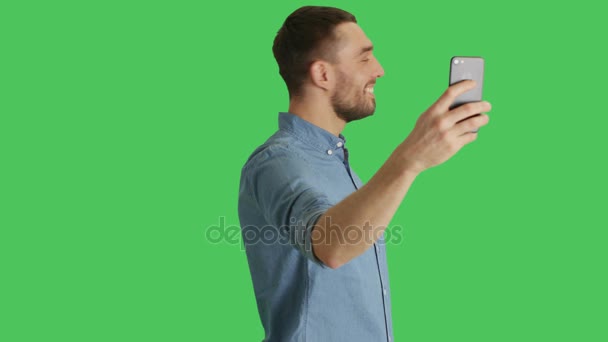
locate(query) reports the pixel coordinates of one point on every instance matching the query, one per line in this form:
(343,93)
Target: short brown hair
(306,35)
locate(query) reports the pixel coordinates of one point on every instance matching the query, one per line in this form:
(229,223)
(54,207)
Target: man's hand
(440,133)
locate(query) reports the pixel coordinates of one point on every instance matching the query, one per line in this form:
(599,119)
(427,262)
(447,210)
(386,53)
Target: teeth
(369,90)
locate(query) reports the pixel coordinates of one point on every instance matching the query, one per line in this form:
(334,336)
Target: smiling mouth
(369,90)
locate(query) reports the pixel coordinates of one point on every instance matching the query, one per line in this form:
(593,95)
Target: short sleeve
(289,195)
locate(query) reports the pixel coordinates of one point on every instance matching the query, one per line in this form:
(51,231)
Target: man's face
(357,70)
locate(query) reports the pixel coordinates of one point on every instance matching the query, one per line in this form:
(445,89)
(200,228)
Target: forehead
(352,39)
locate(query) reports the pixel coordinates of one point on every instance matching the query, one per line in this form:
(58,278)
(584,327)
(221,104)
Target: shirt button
(330,152)
(339,144)
(384,291)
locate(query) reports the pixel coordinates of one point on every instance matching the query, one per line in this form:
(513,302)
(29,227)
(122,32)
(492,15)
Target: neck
(318,114)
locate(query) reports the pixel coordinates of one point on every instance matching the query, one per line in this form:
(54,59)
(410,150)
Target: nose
(379,70)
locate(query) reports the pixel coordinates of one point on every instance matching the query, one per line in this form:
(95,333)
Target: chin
(357,112)
(356,116)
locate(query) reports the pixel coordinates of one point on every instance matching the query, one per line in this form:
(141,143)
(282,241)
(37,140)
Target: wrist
(407,166)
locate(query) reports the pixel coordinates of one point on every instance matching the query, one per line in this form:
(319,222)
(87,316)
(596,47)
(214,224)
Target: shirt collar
(311,134)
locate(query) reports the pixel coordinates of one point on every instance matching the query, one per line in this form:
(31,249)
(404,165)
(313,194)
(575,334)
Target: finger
(467,110)
(468,138)
(444,102)
(471,124)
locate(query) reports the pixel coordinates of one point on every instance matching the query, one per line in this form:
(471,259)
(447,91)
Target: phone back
(467,68)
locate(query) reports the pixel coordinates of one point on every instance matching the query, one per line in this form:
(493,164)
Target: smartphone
(467,68)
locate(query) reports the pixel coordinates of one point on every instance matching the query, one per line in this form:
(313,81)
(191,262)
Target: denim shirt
(286,185)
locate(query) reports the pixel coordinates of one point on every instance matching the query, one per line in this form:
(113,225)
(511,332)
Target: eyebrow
(366,49)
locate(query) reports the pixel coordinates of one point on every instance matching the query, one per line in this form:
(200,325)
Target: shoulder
(280,150)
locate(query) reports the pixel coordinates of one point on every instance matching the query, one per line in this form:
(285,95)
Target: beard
(351,103)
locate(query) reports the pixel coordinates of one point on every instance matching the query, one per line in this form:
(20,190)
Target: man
(313,232)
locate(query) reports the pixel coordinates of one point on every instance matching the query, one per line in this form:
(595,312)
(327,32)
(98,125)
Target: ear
(322,75)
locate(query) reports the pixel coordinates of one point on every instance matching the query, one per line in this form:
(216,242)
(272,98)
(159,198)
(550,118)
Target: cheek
(361,84)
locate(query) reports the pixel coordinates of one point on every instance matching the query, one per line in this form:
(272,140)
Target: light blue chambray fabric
(286,184)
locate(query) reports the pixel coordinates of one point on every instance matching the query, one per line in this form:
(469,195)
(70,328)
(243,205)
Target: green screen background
(124,125)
